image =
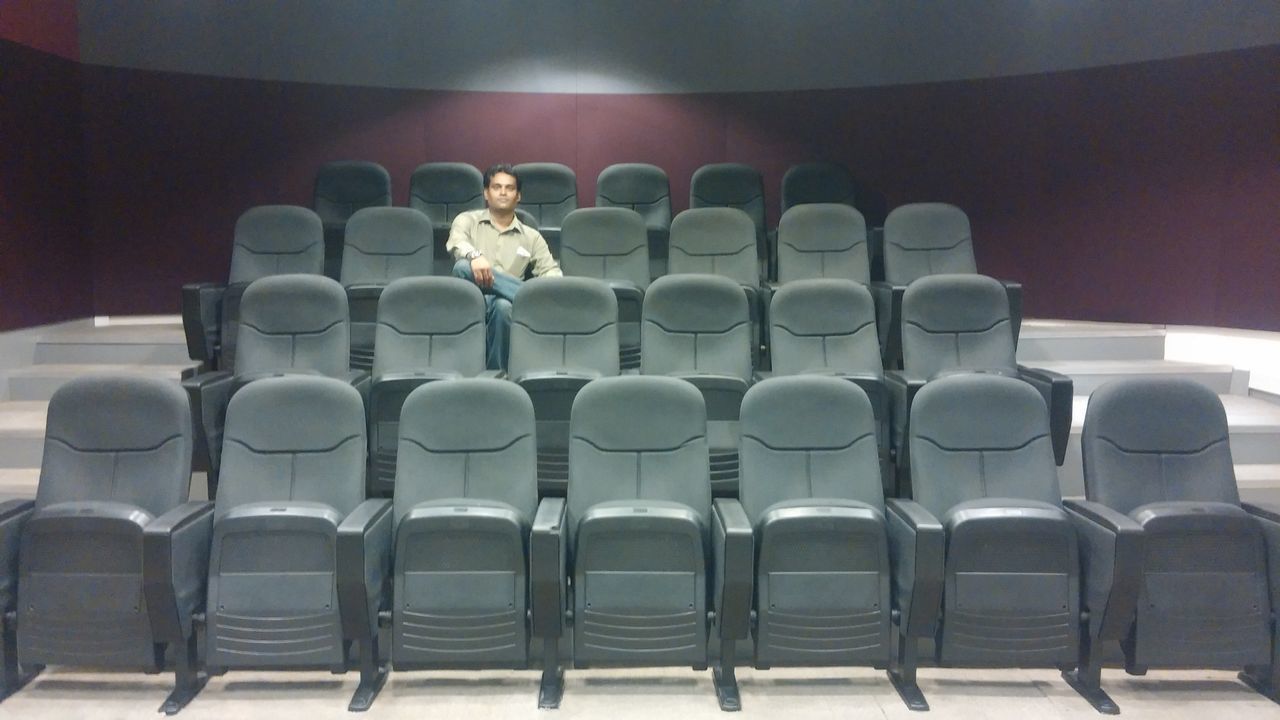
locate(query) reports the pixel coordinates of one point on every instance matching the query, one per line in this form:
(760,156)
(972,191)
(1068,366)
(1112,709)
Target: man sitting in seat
(493,249)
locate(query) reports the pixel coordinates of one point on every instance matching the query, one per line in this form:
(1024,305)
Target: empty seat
(548,192)
(441,191)
(608,243)
(818,182)
(734,185)
(428,329)
(697,327)
(110,567)
(382,244)
(564,334)
(823,240)
(299,567)
(342,188)
(650,553)
(1157,462)
(269,240)
(647,190)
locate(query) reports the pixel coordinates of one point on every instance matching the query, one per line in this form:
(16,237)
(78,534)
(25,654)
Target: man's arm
(460,235)
(544,265)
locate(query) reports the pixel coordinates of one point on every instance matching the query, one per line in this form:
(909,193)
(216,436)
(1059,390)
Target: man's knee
(502,309)
(462,269)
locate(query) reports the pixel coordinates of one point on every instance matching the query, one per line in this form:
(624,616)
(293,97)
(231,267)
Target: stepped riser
(1037,349)
(20,451)
(1218,382)
(116,353)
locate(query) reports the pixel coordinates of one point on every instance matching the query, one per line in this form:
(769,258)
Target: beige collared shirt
(511,250)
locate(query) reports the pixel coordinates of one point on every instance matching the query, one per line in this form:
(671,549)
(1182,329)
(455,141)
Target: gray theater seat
(382,244)
(466,514)
(110,568)
(564,334)
(696,327)
(734,185)
(650,554)
(269,240)
(960,324)
(822,240)
(988,523)
(608,243)
(818,182)
(428,329)
(923,239)
(548,192)
(441,191)
(300,563)
(1203,588)
(828,327)
(342,188)
(811,488)
(647,190)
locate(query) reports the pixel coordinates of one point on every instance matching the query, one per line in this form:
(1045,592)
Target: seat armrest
(1014,291)
(917,551)
(548,570)
(625,290)
(175,567)
(560,378)
(1057,390)
(13,516)
(364,565)
(361,381)
(201,319)
(1111,549)
(902,391)
(208,394)
(888,301)
(760,375)
(1268,517)
(733,548)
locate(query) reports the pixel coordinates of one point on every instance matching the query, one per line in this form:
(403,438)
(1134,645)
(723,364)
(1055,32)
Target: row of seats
(565,334)
(465,568)
(549,192)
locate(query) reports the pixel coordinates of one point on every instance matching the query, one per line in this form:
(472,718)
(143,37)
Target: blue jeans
(497,312)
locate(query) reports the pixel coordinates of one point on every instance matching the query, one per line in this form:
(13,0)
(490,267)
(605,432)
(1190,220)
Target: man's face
(501,193)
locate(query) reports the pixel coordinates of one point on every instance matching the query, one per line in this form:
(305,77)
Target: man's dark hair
(501,168)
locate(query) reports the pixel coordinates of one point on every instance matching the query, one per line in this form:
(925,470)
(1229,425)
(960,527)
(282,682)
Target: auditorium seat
(342,188)
(987,524)
(647,190)
(111,564)
(382,244)
(923,239)
(739,186)
(822,240)
(1157,454)
(818,182)
(269,240)
(428,329)
(811,489)
(466,501)
(443,190)
(651,555)
(960,324)
(300,563)
(548,192)
(696,327)
(564,334)
(608,243)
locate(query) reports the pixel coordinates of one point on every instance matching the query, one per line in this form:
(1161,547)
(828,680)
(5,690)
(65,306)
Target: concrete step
(1089,375)
(18,482)
(22,433)
(160,341)
(1056,340)
(1259,483)
(38,382)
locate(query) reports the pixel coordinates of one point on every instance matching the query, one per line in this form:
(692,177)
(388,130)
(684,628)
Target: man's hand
(482,270)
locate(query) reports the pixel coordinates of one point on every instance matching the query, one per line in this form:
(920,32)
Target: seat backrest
(564,322)
(953,322)
(1151,440)
(117,438)
(730,185)
(345,186)
(976,436)
(806,437)
(471,438)
(386,243)
(714,241)
(443,190)
(434,323)
(299,438)
(817,182)
(636,437)
(608,243)
(823,325)
(294,322)
(275,240)
(823,240)
(637,186)
(926,239)
(693,324)
(548,191)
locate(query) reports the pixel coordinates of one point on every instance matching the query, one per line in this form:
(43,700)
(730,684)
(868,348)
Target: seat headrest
(469,414)
(295,412)
(354,182)
(118,412)
(446,182)
(955,303)
(695,303)
(822,306)
(638,413)
(1156,415)
(293,304)
(564,305)
(727,183)
(713,231)
(278,230)
(633,183)
(927,226)
(822,227)
(1013,412)
(603,231)
(429,305)
(807,412)
(388,231)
